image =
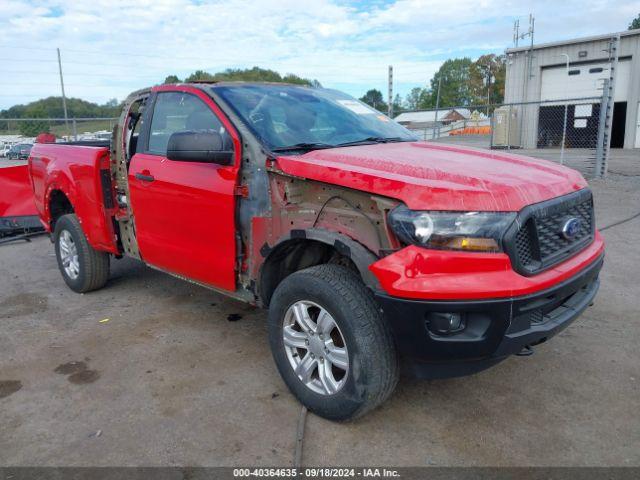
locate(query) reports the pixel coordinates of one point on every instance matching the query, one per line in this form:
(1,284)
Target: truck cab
(371,250)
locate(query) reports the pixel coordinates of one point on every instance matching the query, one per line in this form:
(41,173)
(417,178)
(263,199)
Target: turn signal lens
(467,243)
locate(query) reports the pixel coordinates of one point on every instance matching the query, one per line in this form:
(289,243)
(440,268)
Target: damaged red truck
(370,249)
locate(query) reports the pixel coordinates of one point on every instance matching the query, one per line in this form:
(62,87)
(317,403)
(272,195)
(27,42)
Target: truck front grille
(539,238)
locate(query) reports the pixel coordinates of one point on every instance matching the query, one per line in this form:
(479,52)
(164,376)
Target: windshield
(289,117)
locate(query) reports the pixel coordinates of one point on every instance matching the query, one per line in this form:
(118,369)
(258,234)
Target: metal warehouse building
(546,78)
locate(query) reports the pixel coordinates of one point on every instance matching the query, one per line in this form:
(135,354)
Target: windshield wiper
(308,146)
(370,140)
(305,146)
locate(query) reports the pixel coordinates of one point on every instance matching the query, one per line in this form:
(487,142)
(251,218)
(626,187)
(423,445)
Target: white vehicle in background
(102,135)
(4,150)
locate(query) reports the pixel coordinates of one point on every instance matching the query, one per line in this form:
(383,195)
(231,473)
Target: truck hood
(432,176)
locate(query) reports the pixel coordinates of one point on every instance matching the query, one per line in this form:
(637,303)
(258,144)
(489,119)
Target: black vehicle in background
(20,151)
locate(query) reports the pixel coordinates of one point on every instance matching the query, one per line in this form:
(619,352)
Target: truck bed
(81,173)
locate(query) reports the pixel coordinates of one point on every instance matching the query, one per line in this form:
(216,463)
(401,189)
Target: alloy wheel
(69,254)
(315,347)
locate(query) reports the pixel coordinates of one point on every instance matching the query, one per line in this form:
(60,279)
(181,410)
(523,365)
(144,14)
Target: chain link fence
(567,131)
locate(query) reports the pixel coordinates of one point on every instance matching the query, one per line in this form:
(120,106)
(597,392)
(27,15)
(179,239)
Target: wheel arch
(300,249)
(58,205)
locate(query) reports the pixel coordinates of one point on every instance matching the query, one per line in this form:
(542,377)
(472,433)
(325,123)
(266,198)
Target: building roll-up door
(584,81)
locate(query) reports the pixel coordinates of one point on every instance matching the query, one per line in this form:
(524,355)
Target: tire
(89,269)
(336,389)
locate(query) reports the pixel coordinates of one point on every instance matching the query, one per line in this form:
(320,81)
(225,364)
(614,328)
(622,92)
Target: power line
(230,60)
(132,54)
(48,84)
(43,60)
(104,75)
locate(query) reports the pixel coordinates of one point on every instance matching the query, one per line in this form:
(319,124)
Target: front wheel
(331,343)
(83,268)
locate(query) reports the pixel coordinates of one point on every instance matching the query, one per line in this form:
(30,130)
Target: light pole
(564,125)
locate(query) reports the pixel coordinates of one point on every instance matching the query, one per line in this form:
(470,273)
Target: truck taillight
(105,162)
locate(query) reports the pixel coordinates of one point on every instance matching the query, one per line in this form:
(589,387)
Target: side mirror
(199,146)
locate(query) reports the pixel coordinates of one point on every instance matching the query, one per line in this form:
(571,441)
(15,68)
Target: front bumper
(495,328)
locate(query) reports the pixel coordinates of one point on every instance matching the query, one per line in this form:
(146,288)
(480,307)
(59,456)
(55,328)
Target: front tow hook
(526,351)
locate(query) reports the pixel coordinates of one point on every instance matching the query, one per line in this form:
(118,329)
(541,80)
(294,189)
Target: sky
(112,47)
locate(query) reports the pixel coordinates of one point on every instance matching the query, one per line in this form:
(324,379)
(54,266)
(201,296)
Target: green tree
(635,23)
(52,107)
(419,99)
(464,82)
(255,74)
(374,99)
(33,128)
(171,79)
(487,79)
(398,105)
(200,75)
(412,99)
(454,78)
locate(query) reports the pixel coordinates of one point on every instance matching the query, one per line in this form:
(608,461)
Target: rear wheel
(83,268)
(331,343)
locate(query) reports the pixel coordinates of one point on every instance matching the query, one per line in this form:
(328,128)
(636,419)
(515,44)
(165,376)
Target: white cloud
(111,47)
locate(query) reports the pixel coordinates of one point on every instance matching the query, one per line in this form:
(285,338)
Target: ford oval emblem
(571,228)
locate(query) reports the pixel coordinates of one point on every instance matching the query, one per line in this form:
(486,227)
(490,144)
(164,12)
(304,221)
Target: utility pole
(390,106)
(489,90)
(437,107)
(64,98)
(487,68)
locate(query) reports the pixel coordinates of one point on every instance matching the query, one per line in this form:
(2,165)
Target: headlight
(470,231)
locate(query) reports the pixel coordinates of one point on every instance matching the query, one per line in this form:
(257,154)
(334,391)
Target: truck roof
(222,83)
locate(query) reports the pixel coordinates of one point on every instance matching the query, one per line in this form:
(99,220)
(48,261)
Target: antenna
(517,36)
(521,36)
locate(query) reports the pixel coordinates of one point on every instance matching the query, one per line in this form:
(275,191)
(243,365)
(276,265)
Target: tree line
(255,74)
(51,107)
(462,82)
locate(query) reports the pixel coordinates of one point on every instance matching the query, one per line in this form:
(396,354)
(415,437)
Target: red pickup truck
(370,249)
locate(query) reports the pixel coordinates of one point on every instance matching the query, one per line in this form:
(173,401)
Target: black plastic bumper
(494,329)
